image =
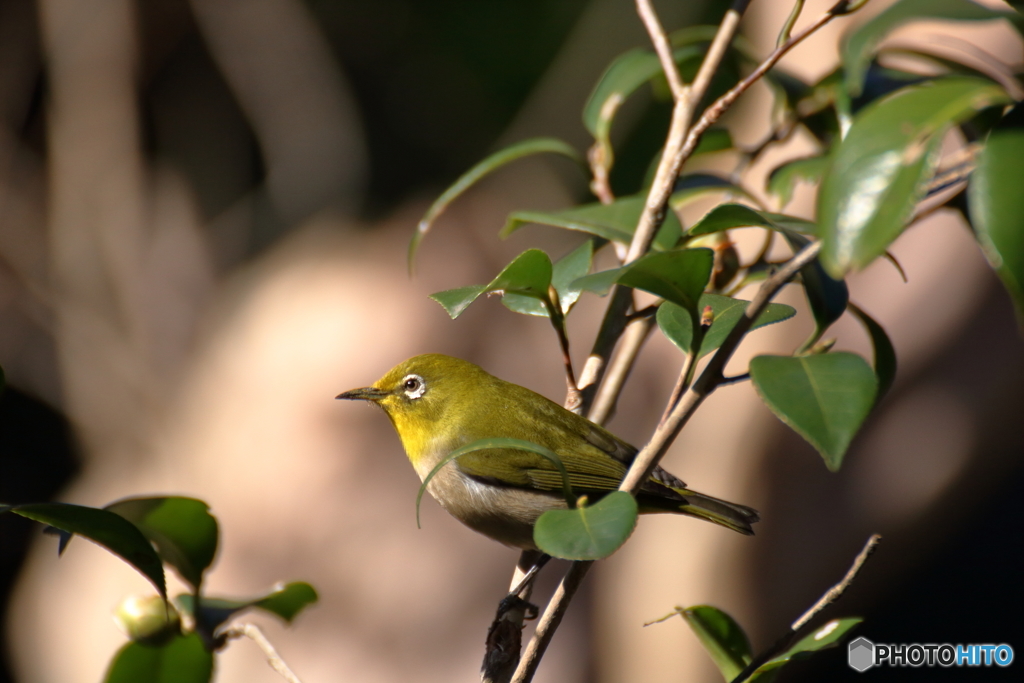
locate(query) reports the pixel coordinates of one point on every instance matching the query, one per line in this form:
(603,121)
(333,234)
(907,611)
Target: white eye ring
(414,386)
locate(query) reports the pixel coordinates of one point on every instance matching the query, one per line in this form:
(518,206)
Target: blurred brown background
(204,210)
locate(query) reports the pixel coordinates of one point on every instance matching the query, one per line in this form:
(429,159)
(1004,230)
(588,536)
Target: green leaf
(996,203)
(727,217)
(499,443)
(860,46)
(695,185)
(285,601)
(528,275)
(731,216)
(783,180)
(676,276)
(721,636)
(677,324)
(615,222)
(113,532)
(564,274)
(183,660)
(455,301)
(825,637)
(587,532)
(826,296)
(879,170)
(885,354)
(483,168)
(182,529)
(824,398)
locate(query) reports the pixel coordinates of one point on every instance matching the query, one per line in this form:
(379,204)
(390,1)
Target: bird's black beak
(364,394)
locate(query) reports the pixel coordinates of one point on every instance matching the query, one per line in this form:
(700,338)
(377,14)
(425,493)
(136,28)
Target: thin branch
(661,46)
(253,632)
(711,377)
(553,304)
(549,621)
(787,28)
(722,104)
(657,201)
(830,596)
(633,339)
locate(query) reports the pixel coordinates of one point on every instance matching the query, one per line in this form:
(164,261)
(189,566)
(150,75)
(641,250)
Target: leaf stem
(253,632)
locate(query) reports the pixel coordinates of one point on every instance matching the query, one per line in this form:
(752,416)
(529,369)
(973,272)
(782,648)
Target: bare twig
(549,621)
(722,104)
(830,596)
(836,591)
(253,632)
(661,46)
(711,377)
(554,307)
(657,201)
(637,331)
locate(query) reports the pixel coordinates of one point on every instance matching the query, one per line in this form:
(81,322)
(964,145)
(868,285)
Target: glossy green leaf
(732,216)
(482,169)
(827,297)
(721,636)
(499,444)
(824,398)
(182,529)
(564,274)
(285,601)
(113,532)
(783,179)
(824,637)
(528,275)
(624,75)
(676,276)
(183,660)
(615,222)
(695,185)
(728,217)
(996,202)
(859,47)
(879,170)
(587,532)
(676,324)
(885,354)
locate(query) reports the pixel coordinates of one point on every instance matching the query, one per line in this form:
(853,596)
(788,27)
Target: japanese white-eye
(438,403)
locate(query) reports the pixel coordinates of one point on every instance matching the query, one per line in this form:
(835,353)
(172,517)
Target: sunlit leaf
(182,529)
(284,601)
(587,532)
(721,636)
(824,398)
(528,275)
(183,660)
(564,274)
(110,530)
(676,276)
(824,637)
(483,168)
(859,47)
(997,203)
(878,171)
(615,222)
(732,216)
(677,324)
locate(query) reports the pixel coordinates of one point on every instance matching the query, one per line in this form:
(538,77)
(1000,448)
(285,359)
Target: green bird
(438,403)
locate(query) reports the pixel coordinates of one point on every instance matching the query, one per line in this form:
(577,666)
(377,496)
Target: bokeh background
(204,210)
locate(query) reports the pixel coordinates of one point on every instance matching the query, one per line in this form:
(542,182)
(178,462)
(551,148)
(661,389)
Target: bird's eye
(414,386)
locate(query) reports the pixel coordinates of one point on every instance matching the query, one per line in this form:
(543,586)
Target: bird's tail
(732,515)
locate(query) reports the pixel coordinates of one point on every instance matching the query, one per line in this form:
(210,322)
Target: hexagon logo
(861,654)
